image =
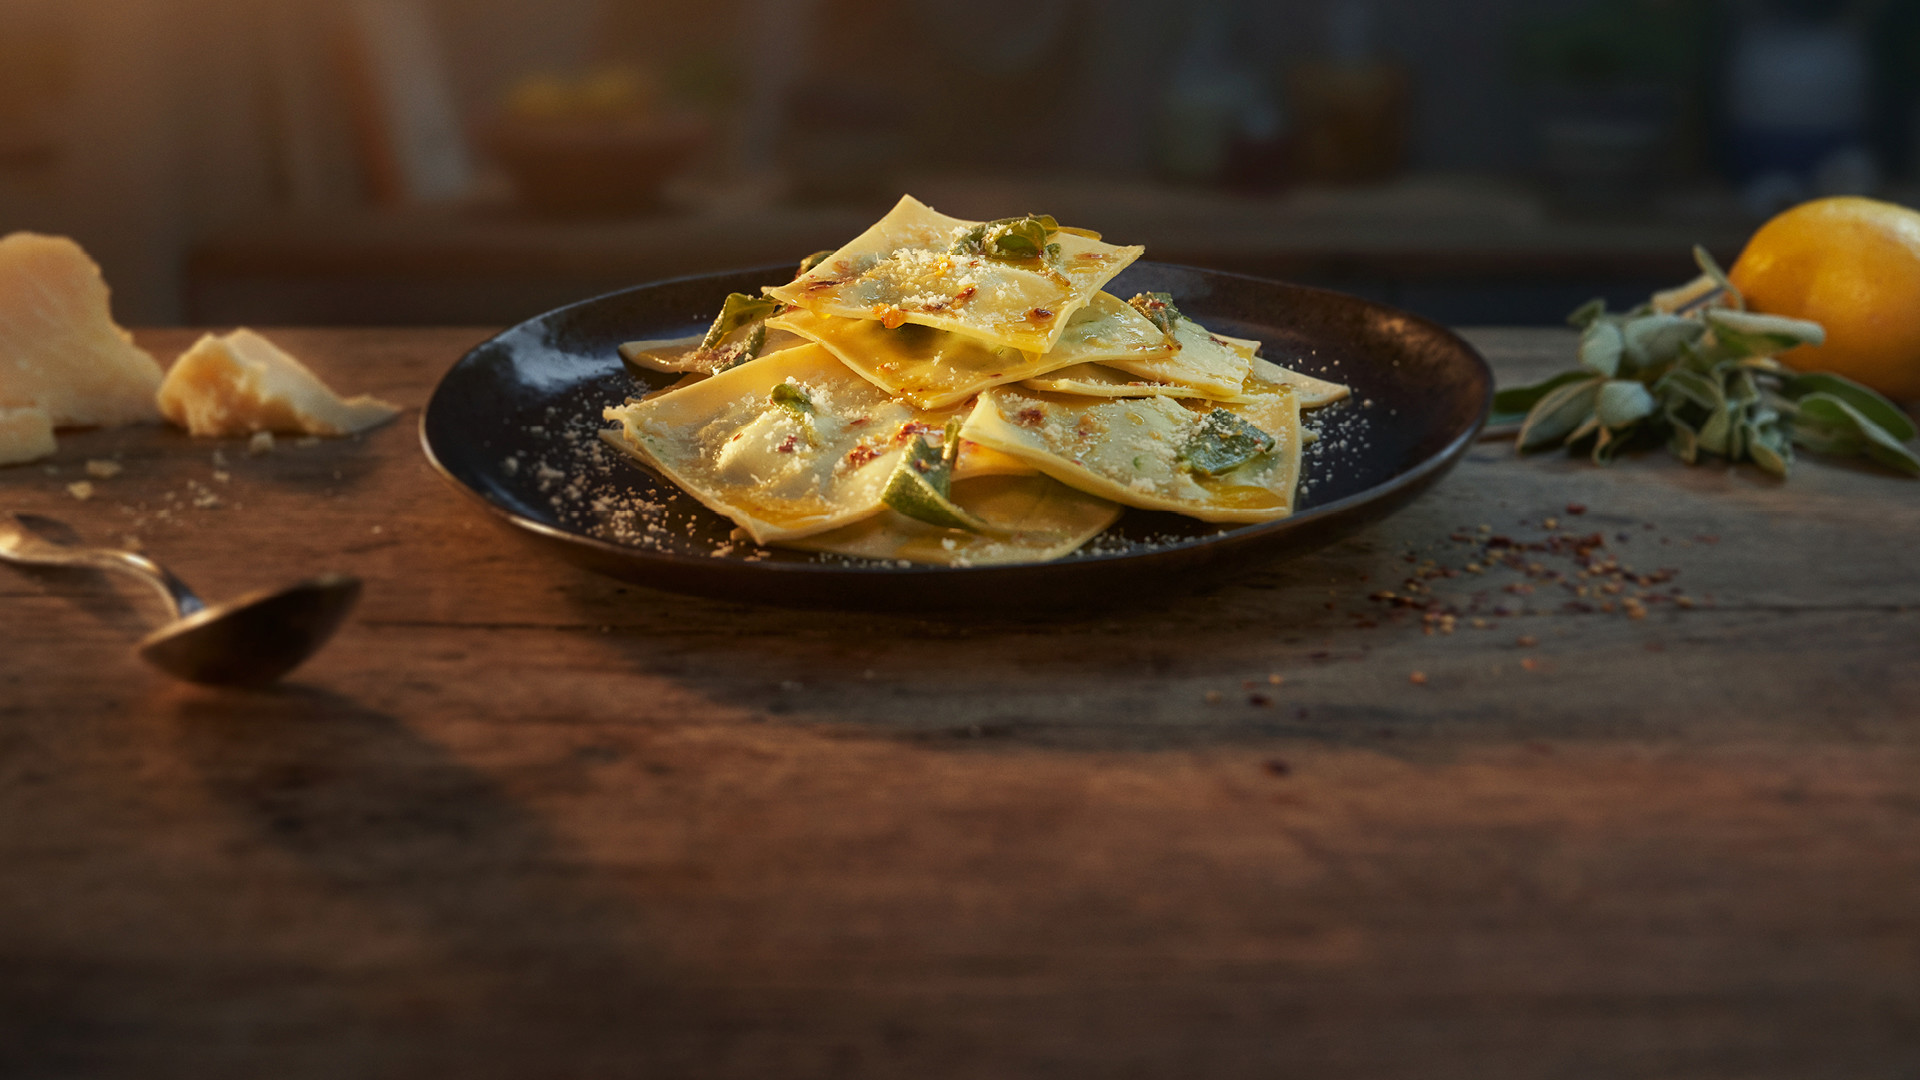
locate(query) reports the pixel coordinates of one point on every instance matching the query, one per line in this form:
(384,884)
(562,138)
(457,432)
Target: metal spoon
(251,640)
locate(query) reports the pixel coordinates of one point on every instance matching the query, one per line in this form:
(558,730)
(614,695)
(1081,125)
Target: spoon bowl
(249,641)
(256,638)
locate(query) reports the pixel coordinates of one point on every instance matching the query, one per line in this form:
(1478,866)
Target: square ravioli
(1227,463)
(1035,519)
(936,368)
(1206,362)
(916,265)
(787,445)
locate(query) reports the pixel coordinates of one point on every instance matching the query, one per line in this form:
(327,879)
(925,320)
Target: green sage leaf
(1008,238)
(1601,347)
(1559,412)
(1585,315)
(1682,440)
(1867,402)
(1510,406)
(1656,339)
(812,261)
(1158,309)
(1748,334)
(1710,268)
(740,310)
(1768,448)
(1622,402)
(921,486)
(1826,410)
(1717,433)
(794,398)
(1680,384)
(1223,442)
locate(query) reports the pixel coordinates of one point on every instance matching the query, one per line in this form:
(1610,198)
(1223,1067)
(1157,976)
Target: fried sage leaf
(739,311)
(921,487)
(1223,442)
(1010,238)
(1159,309)
(794,398)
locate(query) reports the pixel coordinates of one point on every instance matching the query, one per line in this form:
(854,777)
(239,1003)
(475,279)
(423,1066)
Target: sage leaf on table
(1692,366)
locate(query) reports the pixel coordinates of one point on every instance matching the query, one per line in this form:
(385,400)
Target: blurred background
(477,161)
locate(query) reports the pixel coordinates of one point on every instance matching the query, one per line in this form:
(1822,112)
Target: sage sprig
(1695,368)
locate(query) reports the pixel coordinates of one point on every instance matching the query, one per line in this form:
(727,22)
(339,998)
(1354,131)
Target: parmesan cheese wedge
(242,383)
(61,355)
(25,435)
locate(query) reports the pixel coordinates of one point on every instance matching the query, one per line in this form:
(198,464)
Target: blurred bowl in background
(592,166)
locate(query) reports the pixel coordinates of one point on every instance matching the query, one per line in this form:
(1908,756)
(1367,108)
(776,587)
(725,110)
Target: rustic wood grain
(521,821)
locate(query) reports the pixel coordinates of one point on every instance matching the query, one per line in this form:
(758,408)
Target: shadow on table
(1134,674)
(421,844)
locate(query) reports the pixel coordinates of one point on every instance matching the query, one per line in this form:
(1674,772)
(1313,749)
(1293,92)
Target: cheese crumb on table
(80,489)
(63,361)
(101,469)
(261,443)
(243,384)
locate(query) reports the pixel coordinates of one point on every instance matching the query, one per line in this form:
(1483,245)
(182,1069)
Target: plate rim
(1441,460)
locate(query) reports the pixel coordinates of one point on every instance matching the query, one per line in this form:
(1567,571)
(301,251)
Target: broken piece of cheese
(25,435)
(63,361)
(243,383)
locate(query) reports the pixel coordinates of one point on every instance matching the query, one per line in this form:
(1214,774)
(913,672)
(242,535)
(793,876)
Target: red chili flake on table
(1576,509)
(1277,767)
(1418,678)
(1261,700)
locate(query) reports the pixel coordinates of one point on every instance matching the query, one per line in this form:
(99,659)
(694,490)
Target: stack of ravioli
(963,393)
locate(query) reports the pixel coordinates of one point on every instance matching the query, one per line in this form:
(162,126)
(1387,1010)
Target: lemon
(1853,266)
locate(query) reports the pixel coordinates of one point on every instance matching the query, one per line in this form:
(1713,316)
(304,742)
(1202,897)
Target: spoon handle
(17,545)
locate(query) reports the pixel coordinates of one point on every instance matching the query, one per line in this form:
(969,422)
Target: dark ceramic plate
(513,424)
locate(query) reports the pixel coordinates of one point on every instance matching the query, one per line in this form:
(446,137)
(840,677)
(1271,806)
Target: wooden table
(520,821)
